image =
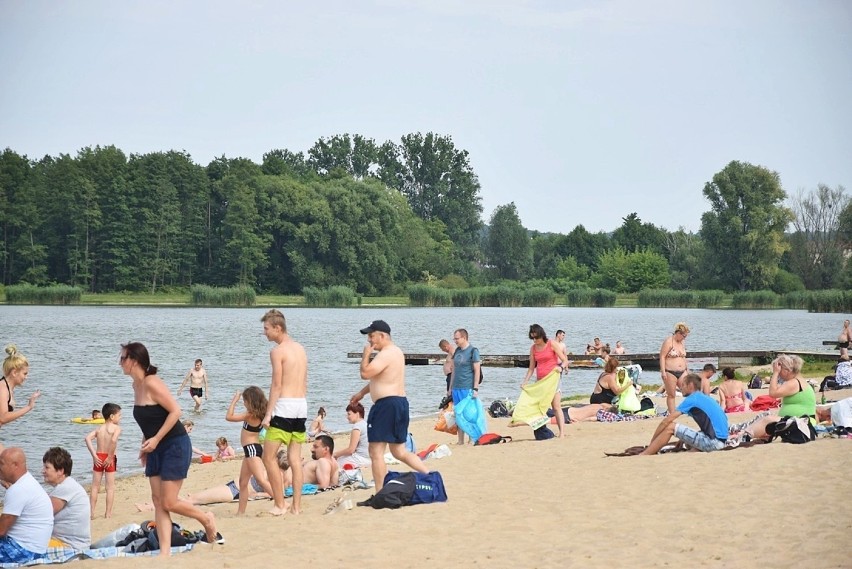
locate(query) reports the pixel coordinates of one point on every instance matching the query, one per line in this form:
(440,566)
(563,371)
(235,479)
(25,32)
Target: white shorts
(291,408)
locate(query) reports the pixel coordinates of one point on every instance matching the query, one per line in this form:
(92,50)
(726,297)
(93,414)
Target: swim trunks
(388,420)
(170,460)
(196,391)
(104,467)
(697,439)
(235,492)
(12,552)
(289,422)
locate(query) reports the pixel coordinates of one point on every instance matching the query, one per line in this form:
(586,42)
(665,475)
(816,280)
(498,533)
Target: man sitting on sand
(704,410)
(323,469)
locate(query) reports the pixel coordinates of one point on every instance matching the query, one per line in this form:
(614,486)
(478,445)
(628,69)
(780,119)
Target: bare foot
(210,529)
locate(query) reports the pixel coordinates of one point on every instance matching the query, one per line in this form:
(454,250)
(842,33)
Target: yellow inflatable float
(88,421)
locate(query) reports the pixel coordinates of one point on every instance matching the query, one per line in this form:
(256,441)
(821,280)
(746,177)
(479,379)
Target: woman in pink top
(544,356)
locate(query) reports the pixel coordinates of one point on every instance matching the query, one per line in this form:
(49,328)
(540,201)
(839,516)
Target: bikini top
(9,389)
(249,428)
(675,353)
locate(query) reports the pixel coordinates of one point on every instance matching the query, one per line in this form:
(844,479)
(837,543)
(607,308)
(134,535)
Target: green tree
(15,172)
(584,246)
(509,248)
(816,246)
(633,235)
(621,271)
(438,182)
(685,253)
(744,230)
(355,155)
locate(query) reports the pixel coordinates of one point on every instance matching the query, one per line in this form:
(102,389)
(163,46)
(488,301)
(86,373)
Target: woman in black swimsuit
(15,371)
(166,450)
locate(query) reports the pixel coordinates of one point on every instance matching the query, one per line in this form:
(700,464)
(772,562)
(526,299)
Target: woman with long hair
(255,403)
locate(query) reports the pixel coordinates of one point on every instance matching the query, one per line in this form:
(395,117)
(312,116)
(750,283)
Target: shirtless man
(448,349)
(844,339)
(387,422)
(287,410)
(197,378)
(323,469)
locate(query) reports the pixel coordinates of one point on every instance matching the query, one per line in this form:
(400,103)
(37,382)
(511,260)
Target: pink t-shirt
(545,360)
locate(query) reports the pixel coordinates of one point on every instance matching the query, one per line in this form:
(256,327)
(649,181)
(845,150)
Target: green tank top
(798,404)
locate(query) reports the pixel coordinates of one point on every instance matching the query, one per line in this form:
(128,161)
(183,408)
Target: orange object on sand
(205,458)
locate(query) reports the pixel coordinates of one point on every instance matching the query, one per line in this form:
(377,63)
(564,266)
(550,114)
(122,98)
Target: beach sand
(556,503)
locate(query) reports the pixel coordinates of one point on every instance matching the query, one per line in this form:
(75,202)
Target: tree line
(377,217)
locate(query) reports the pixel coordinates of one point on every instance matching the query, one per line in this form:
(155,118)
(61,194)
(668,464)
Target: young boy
(103,455)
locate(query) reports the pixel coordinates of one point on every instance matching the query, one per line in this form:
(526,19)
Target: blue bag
(428,488)
(409,443)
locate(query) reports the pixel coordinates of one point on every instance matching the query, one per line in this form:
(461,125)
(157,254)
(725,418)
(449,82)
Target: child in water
(102,443)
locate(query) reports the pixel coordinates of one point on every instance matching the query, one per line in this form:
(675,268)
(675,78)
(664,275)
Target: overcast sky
(579,112)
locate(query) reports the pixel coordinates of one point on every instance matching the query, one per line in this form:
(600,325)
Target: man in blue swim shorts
(387,422)
(287,410)
(706,411)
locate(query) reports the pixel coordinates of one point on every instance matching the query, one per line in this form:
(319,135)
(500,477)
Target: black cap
(376,326)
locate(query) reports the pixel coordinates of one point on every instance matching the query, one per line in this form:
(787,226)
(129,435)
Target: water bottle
(116,536)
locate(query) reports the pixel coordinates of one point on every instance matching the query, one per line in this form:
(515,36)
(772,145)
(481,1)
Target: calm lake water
(73,354)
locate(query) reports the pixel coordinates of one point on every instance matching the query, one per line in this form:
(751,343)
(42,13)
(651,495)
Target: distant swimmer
(197,378)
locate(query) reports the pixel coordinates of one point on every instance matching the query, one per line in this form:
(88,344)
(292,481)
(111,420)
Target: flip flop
(424,453)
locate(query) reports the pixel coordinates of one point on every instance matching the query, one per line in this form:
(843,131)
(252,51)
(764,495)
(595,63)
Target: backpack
(796,430)
(498,409)
(396,492)
(756,382)
(492,439)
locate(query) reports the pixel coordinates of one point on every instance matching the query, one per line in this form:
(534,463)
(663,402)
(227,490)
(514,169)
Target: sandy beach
(557,503)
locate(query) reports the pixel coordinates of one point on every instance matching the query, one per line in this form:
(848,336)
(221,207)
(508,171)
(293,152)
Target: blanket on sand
(65,554)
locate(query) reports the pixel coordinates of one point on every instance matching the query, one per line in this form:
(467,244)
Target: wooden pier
(648,361)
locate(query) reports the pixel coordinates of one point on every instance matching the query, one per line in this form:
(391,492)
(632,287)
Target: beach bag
(756,382)
(396,492)
(492,439)
(428,488)
(795,430)
(498,409)
(447,421)
(180,536)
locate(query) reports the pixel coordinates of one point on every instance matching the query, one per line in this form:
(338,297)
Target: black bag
(395,493)
(795,430)
(498,409)
(543,433)
(756,382)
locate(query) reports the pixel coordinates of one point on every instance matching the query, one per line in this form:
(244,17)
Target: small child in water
(224,450)
(102,443)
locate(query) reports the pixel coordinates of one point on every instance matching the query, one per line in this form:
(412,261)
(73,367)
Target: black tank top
(8,389)
(150,419)
(605,396)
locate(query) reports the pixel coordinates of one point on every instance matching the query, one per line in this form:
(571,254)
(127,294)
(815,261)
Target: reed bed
(598,297)
(332,297)
(754,299)
(53,294)
(539,296)
(831,300)
(203,295)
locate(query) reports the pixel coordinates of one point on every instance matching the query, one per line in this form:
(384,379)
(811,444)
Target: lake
(73,353)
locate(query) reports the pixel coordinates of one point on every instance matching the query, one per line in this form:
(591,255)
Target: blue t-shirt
(463,361)
(707,413)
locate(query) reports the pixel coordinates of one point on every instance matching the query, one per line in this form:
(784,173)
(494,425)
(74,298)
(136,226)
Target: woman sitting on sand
(317,427)
(606,391)
(797,397)
(732,393)
(356,454)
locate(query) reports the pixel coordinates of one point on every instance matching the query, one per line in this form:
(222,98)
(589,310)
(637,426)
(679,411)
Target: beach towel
(535,400)
(628,401)
(470,417)
(65,554)
(765,403)
(307,490)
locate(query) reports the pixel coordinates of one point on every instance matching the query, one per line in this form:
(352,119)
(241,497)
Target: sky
(579,112)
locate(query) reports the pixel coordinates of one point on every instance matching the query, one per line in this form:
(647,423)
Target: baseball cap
(376,326)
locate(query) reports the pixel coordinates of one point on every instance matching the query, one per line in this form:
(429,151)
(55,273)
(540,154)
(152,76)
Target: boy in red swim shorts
(103,456)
